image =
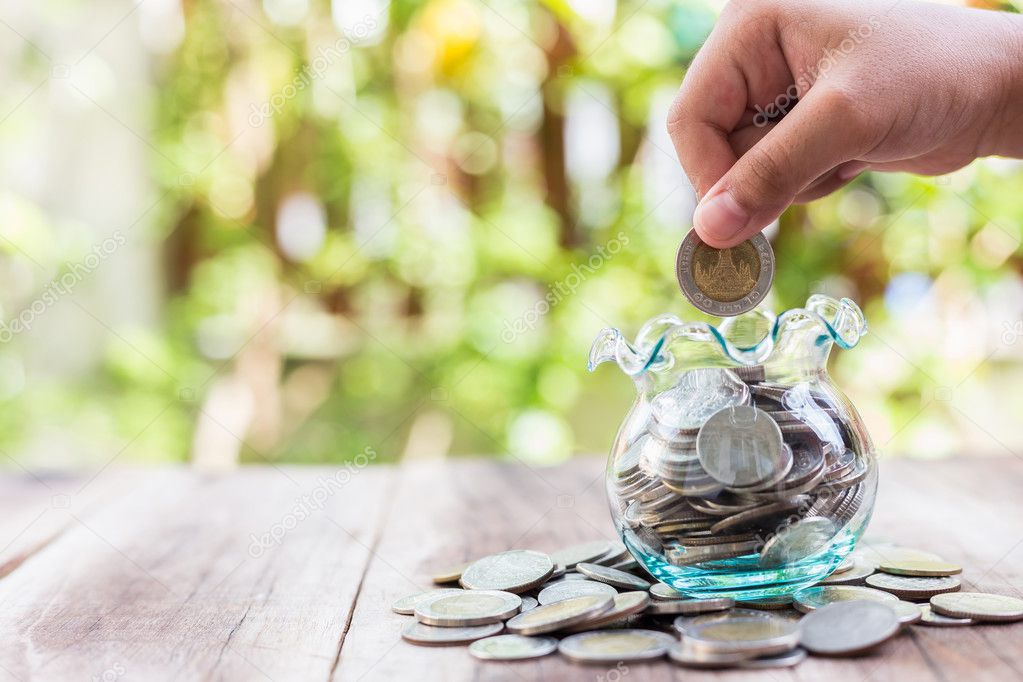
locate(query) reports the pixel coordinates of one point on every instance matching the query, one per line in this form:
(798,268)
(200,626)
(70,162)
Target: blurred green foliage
(360,202)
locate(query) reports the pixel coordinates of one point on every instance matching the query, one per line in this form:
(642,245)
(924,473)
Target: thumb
(821,132)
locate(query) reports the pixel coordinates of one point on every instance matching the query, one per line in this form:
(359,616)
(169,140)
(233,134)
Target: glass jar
(741,470)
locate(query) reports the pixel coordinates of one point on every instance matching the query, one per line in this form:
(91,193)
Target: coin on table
(920,567)
(558,615)
(812,598)
(406,606)
(741,446)
(626,604)
(917,589)
(618,553)
(847,564)
(576,554)
(689,607)
(429,635)
(757,636)
(847,628)
(788,659)
(683,622)
(512,647)
(769,603)
(662,591)
(929,617)
(803,538)
(568,589)
(516,571)
(888,553)
(613,577)
(724,282)
(450,574)
(980,606)
(861,568)
(906,611)
(689,657)
(616,645)
(471,607)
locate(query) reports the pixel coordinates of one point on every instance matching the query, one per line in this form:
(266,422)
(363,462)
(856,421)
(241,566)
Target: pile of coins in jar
(727,464)
(590,603)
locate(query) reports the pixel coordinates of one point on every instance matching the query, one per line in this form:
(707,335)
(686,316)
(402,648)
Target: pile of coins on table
(727,464)
(589,603)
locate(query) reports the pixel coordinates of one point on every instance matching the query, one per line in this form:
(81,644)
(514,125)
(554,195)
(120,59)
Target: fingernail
(720,217)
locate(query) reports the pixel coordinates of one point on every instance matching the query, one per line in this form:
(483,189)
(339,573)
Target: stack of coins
(594,613)
(730,465)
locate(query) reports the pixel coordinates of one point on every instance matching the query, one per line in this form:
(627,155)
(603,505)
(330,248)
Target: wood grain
(153,575)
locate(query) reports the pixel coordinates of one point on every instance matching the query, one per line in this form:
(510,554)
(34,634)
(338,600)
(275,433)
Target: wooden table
(289,573)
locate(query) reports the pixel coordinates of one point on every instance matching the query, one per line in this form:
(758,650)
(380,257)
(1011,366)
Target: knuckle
(842,103)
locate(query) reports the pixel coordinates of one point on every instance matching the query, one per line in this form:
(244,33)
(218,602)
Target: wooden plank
(964,510)
(172,582)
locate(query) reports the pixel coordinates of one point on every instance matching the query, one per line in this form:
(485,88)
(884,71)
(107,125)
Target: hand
(788,100)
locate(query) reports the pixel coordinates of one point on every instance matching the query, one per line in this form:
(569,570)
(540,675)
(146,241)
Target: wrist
(1005,134)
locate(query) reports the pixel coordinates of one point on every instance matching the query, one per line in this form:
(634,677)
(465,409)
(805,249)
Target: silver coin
(683,622)
(778,603)
(741,446)
(698,394)
(451,574)
(559,615)
(512,647)
(626,604)
(724,282)
(917,589)
(932,619)
(812,598)
(785,660)
(906,611)
(406,606)
(429,635)
(758,636)
(528,604)
(662,591)
(802,539)
(587,551)
(570,589)
(861,568)
(616,645)
(616,554)
(471,607)
(516,571)
(613,577)
(688,607)
(847,628)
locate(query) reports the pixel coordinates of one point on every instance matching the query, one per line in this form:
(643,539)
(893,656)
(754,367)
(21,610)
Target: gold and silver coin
(979,606)
(515,571)
(559,615)
(406,606)
(625,605)
(613,577)
(689,607)
(930,568)
(471,607)
(724,282)
(860,569)
(847,628)
(430,635)
(662,591)
(812,598)
(912,588)
(451,574)
(512,647)
(687,656)
(906,611)
(567,589)
(761,635)
(611,646)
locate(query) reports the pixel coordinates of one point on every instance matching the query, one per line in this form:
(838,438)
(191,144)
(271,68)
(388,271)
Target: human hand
(788,100)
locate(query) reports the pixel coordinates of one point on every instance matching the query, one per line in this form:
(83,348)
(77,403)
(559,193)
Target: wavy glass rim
(839,321)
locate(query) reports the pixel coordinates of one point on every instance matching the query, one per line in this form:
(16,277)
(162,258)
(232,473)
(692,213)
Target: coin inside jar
(742,446)
(724,282)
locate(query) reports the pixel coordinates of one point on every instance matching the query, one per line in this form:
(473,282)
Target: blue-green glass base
(742,578)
